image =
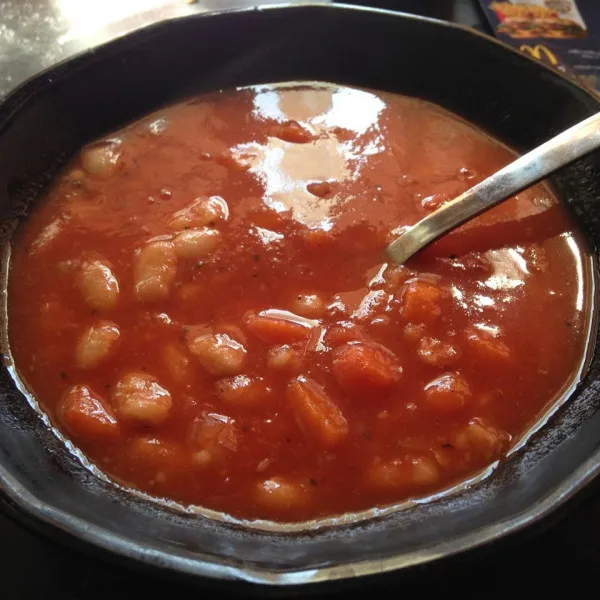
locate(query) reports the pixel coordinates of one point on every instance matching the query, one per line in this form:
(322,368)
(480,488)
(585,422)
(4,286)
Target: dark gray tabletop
(564,551)
(35,34)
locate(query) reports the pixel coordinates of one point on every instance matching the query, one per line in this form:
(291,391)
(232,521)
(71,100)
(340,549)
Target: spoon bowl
(558,152)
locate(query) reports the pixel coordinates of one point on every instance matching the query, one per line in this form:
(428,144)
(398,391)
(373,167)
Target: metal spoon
(558,152)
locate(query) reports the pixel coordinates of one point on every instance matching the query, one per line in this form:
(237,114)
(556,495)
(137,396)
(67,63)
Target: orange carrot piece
(85,415)
(316,414)
(360,367)
(420,302)
(342,334)
(273,330)
(485,347)
(447,394)
(213,431)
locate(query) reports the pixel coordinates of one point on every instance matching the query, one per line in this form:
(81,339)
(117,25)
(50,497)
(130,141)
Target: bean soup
(202,303)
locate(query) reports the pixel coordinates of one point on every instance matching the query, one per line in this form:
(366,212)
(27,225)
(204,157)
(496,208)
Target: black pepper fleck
(312,481)
(63,375)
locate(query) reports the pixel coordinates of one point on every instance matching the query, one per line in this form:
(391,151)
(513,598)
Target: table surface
(565,551)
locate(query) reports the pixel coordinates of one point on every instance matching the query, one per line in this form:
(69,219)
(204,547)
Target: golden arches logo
(539,52)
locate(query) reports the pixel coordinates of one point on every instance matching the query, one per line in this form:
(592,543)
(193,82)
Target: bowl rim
(27,507)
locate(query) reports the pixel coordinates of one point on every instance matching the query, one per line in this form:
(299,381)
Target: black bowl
(513,98)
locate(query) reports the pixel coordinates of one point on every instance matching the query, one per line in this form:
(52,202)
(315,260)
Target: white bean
(196,243)
(218,353)
(403,473)
(481,440)
(201,212)
(284,358)
(154,271)
(98,285)
(139,397)
(243,392)
(96,344)
(100,160)
(280,494)
(436,353)
(310,306)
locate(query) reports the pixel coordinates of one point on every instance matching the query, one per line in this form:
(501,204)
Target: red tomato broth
(394,383)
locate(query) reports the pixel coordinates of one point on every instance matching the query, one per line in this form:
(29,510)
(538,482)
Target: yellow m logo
(539,52)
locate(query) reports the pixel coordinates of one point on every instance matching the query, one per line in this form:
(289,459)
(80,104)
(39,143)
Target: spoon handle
(558,152)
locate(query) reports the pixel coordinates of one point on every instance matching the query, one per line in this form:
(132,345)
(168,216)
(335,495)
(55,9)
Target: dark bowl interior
(514,99)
